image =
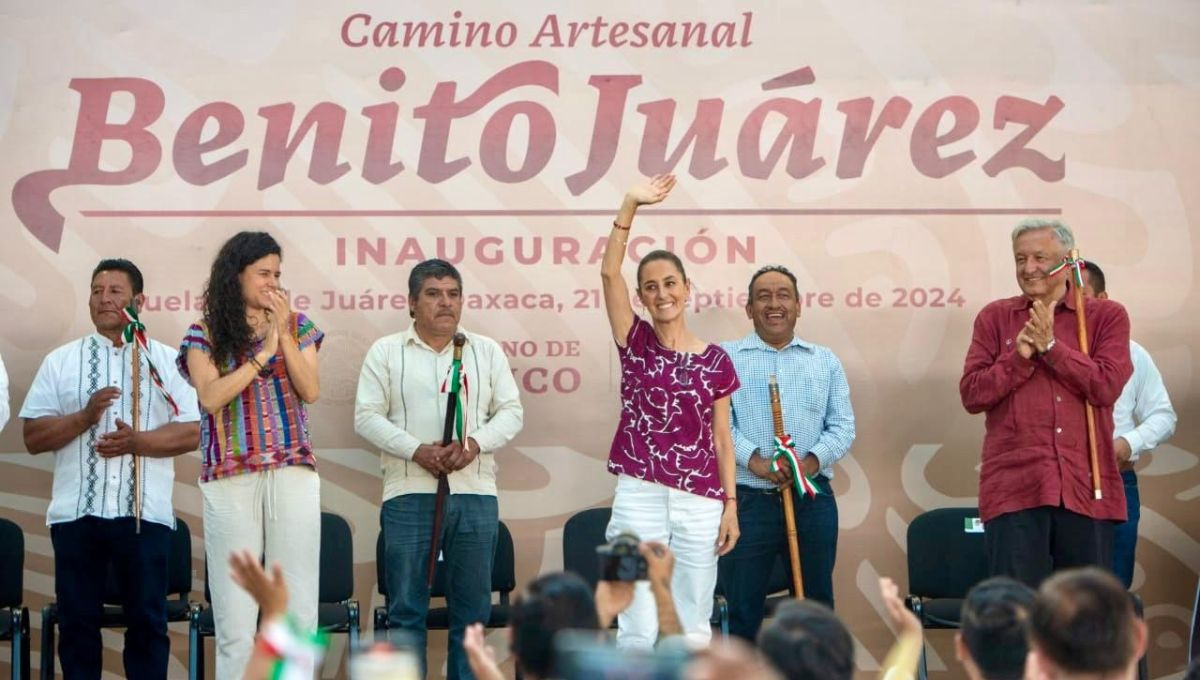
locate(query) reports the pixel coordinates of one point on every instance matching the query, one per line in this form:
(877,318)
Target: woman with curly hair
(253,363)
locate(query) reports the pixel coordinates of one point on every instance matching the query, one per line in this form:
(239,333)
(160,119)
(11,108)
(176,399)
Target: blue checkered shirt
(813,392)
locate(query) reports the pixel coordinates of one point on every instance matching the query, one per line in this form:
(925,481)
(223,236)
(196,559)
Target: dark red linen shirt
(1035,450)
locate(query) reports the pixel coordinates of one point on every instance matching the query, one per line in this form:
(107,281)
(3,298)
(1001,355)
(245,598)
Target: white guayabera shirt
(85,483)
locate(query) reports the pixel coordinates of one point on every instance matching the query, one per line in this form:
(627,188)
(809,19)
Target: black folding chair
(504,582)
(584,532)
(337,611)
(179,588)
(946,558)
(14,615)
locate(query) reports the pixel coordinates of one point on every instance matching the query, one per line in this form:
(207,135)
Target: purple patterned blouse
(665,434)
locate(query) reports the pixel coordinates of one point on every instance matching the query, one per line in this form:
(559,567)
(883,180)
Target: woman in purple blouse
(673,451)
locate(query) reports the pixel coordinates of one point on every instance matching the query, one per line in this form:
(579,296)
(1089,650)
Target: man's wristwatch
(1049,346)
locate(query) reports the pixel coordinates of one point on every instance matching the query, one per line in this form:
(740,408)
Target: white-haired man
(1025,370)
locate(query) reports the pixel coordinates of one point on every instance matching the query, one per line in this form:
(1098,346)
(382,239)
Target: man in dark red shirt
(1024,368)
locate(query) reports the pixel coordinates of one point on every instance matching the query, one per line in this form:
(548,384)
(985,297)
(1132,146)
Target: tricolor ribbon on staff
(456,382)
(1076,266)
(136,330)
(455,389)
(785,454)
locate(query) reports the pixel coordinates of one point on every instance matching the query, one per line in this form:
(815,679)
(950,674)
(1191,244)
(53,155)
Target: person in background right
(1082,625)
(1142,419)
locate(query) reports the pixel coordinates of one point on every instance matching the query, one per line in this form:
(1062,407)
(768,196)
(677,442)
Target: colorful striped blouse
(263,428)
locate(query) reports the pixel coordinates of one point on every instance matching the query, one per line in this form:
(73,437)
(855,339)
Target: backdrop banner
(881,151)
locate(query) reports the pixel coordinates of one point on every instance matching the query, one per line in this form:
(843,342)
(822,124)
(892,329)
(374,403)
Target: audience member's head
(991,644)
(725,659)
(1083,625)
(552,603)
(806,641)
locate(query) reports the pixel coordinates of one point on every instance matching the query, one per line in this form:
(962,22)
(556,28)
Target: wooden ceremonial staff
(1081,328)
(135,333)
(136,380)
(789,511)
(443,488)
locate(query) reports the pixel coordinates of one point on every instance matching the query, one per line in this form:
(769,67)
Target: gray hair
(431,269)
(1061,231)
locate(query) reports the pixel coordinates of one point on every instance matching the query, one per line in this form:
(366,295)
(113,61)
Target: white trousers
(688,524)
(276,513)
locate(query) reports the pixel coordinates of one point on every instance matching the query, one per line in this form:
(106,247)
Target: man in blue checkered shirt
(818,417)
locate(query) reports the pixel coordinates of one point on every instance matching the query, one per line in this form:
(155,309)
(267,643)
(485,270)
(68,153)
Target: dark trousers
(470,528)
(83,551)
(744,573)
(1029,545)
(1125,534)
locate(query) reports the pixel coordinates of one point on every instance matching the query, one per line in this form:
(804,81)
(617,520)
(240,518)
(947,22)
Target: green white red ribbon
(456,382)
(785,454)
(297,653)
(1076,266)
(136,330)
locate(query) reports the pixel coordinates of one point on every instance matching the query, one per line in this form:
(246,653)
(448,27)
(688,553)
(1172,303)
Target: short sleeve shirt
(665,432)
(86,484)
(263,428)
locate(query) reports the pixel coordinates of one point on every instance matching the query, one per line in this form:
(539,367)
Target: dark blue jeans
(1125,535)
(83,550)
(468,546)
(745,571)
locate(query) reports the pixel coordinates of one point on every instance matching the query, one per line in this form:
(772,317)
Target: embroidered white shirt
(85,483)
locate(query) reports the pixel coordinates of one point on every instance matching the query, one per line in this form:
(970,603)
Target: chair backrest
(12,563)
(179,561)
(380,581)
(504,566)
(945,559)
(504,573)
(581,534)
(337,559)
(179,567)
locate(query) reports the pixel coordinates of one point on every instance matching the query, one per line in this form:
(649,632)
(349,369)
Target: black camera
(620,559)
